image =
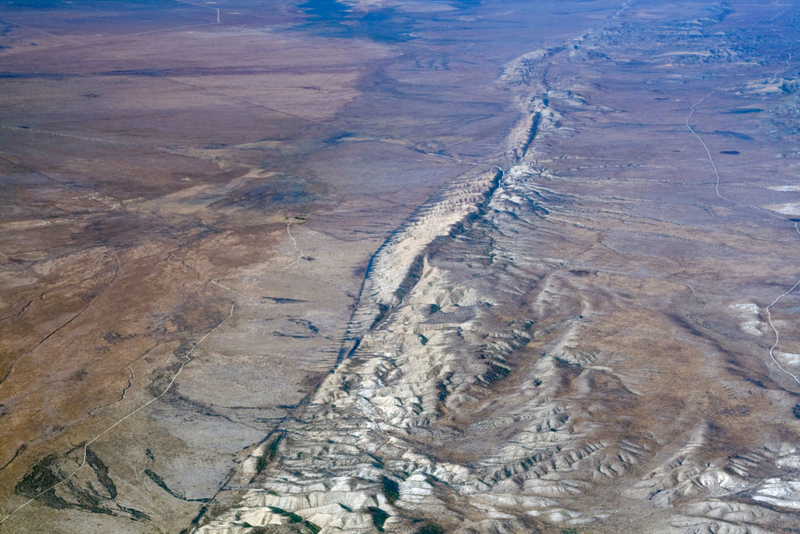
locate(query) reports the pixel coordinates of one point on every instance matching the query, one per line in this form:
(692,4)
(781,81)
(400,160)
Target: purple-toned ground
(409,267)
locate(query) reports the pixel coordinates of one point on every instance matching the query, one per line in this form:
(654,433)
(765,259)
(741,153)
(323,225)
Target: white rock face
(393,262)
(783,493)
(748,314)
(785,188)
(785,209)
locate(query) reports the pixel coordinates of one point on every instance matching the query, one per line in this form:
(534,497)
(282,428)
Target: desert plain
(396,266)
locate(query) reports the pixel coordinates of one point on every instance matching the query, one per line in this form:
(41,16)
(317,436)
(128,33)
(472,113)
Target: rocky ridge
(487,387)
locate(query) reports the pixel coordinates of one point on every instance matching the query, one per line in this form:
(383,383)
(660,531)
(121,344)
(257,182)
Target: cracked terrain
(470,267)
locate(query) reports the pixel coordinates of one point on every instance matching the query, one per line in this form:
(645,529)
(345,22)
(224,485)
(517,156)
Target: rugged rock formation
(566,357)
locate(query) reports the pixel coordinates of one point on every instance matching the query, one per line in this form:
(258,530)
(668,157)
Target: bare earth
(393,266)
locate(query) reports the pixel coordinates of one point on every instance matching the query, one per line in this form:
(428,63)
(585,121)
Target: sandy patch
(785,209)
(784,187)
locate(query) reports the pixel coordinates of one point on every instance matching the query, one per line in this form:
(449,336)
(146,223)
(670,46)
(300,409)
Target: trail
(294,241)
(235,98)
(187,359)
(714,165)
(149,32)
(69,41)
(762,210)
(216,283)
(716,171)
(708,152)
(199,5)
(88,139)
(788,50)
(777,336)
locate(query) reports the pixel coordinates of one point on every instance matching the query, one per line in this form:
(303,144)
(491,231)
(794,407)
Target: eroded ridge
(557,365)
(508,404)
(395,266)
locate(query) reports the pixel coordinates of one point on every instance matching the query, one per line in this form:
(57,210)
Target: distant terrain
(397,266)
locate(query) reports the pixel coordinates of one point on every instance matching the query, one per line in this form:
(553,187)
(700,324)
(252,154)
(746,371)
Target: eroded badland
(388,266)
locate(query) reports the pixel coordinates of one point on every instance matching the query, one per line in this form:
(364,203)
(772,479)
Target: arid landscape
(415,267)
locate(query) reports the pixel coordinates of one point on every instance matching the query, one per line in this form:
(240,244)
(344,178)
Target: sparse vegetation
(431,528)
(391,489)
(379,517)
(269,453)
